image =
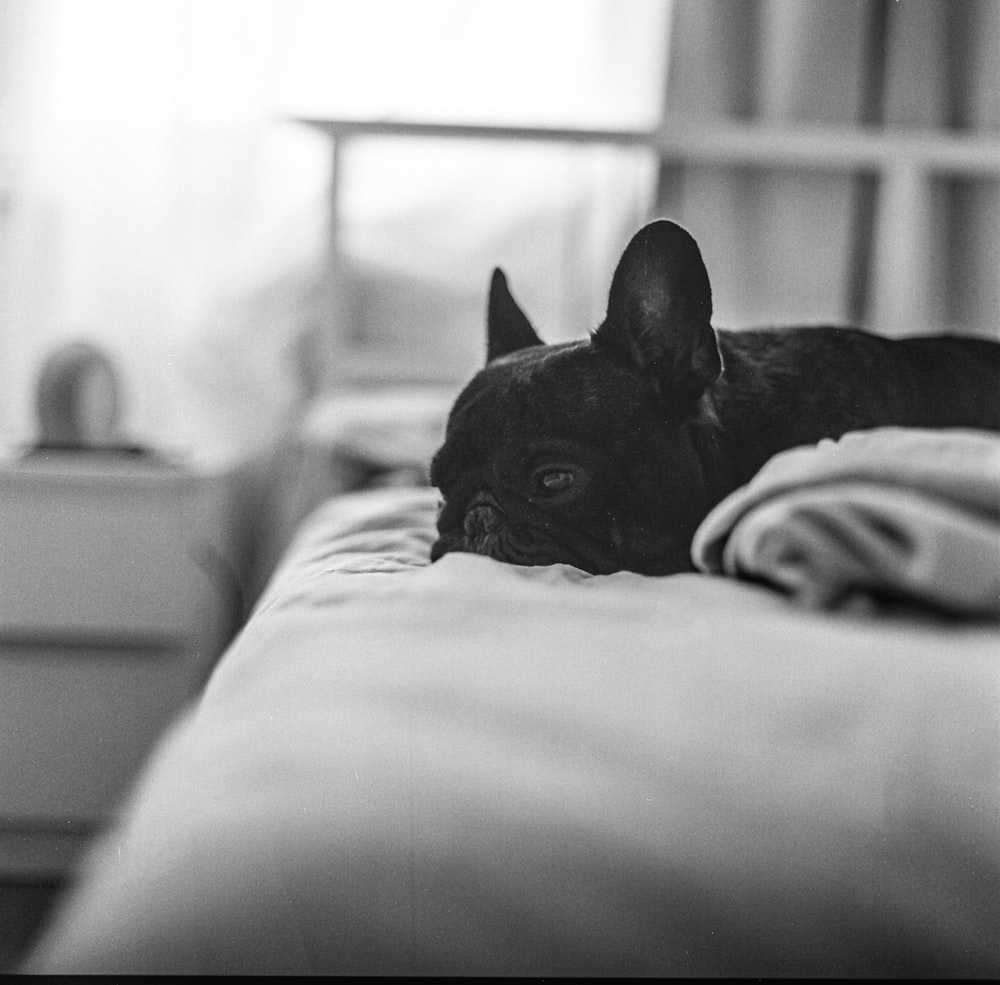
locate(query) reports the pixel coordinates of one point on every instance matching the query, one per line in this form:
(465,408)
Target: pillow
(392,432)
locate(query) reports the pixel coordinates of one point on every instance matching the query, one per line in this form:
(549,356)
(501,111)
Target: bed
(767,767)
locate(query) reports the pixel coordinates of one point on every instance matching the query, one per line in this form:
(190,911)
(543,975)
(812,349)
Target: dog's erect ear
(660,313)
(507,326)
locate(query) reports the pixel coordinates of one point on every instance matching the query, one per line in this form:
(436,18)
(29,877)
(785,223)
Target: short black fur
(607,453)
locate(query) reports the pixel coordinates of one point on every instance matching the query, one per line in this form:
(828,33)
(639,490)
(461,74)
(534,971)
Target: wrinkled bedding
(903,514)
(475,768)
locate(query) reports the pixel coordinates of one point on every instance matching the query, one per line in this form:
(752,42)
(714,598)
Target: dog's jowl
(606,453)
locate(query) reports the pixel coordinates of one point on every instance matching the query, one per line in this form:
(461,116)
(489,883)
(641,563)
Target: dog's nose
(481,521)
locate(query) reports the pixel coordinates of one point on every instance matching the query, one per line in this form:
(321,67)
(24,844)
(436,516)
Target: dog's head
(587,452)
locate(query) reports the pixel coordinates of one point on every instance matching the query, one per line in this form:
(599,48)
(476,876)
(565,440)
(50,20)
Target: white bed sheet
(475,768)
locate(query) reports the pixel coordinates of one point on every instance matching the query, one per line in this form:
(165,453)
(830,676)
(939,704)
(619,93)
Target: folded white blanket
(898,513)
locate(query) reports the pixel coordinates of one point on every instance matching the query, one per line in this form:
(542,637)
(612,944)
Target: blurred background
(160,196)
(244,254)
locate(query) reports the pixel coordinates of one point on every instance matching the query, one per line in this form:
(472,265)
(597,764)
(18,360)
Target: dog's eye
(554,480)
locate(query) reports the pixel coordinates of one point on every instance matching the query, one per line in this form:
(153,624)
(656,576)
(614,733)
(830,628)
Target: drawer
(77,723)
(99,553)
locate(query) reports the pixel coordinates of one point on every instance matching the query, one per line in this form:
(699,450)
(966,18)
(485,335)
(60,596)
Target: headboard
(908,167)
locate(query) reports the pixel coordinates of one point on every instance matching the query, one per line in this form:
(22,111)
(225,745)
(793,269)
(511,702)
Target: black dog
(607,453)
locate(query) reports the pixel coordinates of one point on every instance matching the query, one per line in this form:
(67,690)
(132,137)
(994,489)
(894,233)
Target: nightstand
(118,591)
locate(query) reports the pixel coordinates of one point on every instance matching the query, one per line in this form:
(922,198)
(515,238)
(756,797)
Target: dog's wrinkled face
(583,452)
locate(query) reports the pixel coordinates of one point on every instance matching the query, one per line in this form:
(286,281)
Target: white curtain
(156,200)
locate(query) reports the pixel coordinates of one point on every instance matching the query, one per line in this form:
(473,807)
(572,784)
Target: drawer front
(76,725)
(79,559)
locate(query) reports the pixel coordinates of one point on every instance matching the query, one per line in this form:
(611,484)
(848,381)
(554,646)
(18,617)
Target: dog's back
(787,387)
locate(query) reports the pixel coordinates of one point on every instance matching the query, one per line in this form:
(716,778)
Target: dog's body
(608,452)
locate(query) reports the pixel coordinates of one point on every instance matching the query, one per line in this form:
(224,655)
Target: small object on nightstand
(78,402)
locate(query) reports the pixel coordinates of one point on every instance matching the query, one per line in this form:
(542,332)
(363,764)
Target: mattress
(475,768)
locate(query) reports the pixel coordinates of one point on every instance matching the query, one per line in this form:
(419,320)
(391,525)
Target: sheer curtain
(157,201)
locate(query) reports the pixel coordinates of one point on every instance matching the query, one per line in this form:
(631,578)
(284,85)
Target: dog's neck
(734,432)
(750,415)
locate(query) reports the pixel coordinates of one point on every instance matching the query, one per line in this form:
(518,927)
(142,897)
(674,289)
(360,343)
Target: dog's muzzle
(486,529)
(481,521)
(483,526)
